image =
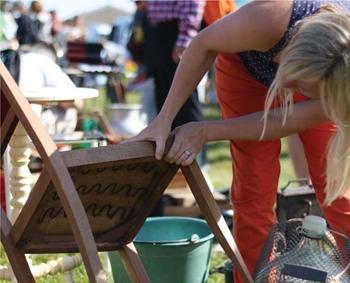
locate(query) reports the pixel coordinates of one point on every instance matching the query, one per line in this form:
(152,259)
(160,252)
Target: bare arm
(192,136)
(306,114)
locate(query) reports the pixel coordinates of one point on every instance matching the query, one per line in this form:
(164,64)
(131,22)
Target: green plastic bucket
(172,250)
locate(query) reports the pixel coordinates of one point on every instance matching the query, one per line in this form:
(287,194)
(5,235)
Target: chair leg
(133,264)
(214,218)
(76,216)
(15,256)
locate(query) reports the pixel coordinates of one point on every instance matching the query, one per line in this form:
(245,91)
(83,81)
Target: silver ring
(187,152)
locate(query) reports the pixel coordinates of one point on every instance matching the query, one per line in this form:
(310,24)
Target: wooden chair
(92,200)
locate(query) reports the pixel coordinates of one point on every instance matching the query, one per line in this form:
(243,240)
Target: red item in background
(2,192)
(215,10)
(84,52)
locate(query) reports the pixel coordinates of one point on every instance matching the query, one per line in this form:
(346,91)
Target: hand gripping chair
(92,200)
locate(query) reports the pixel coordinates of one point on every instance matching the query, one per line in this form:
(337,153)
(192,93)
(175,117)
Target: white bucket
(126,118)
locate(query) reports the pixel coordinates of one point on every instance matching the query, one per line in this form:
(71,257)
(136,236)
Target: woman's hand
(158,131)
(188,141)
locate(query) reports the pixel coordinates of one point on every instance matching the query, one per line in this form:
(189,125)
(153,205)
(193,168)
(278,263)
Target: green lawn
(219,172)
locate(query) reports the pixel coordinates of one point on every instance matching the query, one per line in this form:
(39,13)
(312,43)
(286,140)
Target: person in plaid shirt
(173,24)
(189,15)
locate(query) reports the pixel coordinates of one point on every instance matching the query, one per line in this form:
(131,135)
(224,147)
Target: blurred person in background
(42,23)
(58,39)
(173,24)
(136,44)
(34,32)
(75,29)
(138,47)
(26,35)
(56,26)
(8,27)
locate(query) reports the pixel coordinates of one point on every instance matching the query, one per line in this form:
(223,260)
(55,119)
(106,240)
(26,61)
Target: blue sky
(70,8)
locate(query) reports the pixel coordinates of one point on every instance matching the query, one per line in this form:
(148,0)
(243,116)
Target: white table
(53,95)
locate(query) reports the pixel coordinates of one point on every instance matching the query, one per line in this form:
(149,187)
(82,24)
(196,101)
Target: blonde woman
(311,87)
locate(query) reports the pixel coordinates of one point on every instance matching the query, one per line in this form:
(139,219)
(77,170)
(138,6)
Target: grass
(220,173)
(79,273)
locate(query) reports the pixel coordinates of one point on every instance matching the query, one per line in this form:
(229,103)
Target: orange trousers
(256,165)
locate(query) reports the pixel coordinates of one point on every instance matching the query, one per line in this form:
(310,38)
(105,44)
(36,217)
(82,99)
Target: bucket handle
(194,238)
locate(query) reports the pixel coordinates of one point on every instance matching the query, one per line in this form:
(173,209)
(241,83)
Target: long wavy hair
(320,52)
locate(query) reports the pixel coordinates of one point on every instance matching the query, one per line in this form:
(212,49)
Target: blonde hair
(320,52)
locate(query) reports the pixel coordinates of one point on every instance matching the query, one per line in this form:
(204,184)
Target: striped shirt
(188,13)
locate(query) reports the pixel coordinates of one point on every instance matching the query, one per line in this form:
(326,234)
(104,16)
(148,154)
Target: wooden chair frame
(56,172)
